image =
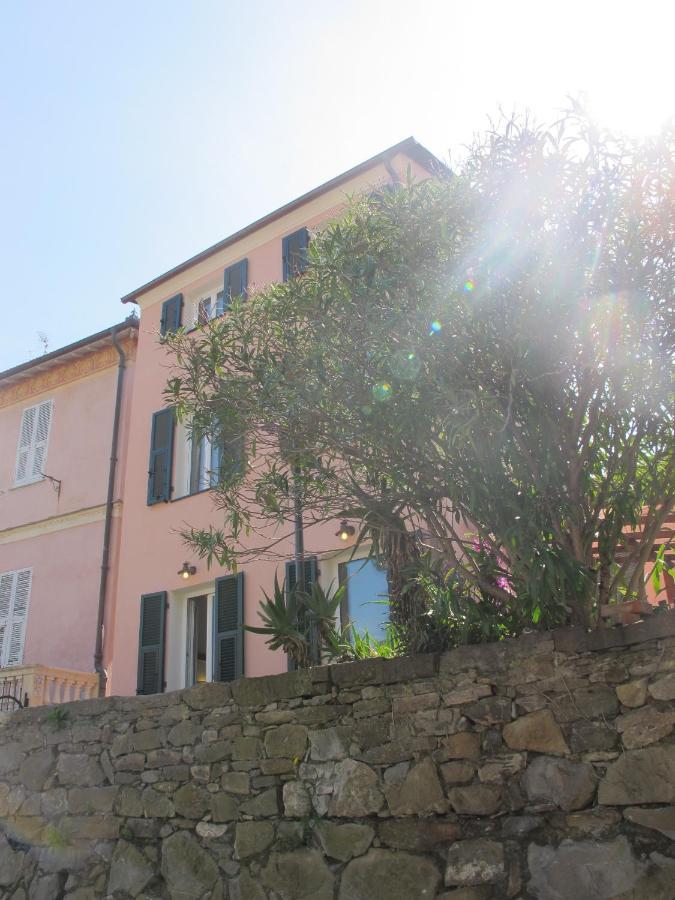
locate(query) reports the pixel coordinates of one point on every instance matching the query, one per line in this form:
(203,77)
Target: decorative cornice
(72,370)
(58,523)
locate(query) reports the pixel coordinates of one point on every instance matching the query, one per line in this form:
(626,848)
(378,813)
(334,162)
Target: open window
(366,601)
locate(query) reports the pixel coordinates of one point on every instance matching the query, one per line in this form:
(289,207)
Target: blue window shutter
(294,253)
(161,454)
(235,282)
(228,618)
(172,314)
(151,644)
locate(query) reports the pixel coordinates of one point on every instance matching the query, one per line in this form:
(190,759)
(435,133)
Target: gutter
(105,558)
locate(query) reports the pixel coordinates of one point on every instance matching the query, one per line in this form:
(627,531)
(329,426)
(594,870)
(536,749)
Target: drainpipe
(105,567)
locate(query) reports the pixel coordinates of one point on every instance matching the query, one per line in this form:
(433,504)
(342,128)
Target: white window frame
(30,476)
(210,305)
(13,626)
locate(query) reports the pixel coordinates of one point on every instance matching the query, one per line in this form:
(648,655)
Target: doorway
(196,640)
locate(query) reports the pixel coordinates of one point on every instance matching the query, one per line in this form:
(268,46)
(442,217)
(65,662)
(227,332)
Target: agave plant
(323,606)
(283,625)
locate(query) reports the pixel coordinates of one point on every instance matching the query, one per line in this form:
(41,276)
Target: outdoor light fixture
(346,531)
(187,570)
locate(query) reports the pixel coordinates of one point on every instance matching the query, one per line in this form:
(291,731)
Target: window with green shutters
(151,644)
(172,314)
(161,456)
(228,618)
(294,253)
(235,283)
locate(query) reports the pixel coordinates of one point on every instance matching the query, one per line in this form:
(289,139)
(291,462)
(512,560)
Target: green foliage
(479,358)
(57,717)
(350,643)
(290,617)
(55,838)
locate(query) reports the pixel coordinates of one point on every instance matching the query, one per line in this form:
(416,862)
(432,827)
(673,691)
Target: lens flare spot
(435,327)
(469,285)
(405,365)
(381,391)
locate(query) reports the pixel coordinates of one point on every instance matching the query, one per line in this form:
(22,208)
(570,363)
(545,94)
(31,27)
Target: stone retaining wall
(542,767)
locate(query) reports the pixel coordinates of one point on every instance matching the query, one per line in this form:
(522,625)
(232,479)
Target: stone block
(537,731)
(300,875)
(91,800)
(467,692)
(224,808)
(192,801)
(207,696)
(80,769)
(633,693)
(264,805)
(288,741)
(590,869)
(458,771)
(252,838)
(662,819)
(130,870)
(418,835)
(502,767)
(596,701)
(188,870)
(640,776)
(272,688)
(490,711)
(645,726)
(403,670)
(479,861)
(236,783)
(419,793)
(37,768)
(475,800)
(356,791)
(664,688)
(568,784)
(344,842)
(394,875)
(297,802)
(329,743)
(465,745)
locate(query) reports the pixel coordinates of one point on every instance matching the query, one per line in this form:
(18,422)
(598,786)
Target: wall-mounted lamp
(346,531)
(187,570)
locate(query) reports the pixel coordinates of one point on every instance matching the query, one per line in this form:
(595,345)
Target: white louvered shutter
(44,418)
(6,591)
(23,454)
(16,632)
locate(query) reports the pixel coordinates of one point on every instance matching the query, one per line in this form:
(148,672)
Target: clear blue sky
(134,134)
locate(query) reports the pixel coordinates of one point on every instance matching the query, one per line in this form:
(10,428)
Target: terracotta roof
(78,348)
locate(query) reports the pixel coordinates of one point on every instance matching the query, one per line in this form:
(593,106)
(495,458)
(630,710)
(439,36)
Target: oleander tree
(476,366)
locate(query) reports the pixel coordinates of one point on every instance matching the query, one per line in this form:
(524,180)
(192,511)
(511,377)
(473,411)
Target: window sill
(21,484)
(193,494)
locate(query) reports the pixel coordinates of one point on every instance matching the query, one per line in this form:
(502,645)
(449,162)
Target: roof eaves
(131,322)
(409,146)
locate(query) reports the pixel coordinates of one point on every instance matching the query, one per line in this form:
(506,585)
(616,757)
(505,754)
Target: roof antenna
(44,340)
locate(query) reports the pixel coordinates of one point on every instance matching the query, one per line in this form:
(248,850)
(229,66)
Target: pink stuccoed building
(171,631)
(64,421)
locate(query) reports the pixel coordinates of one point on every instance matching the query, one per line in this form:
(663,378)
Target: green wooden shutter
(235,282)
(151,644)
(294,253)
(311,571)
(172,310)
(161,454)
(228,618)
